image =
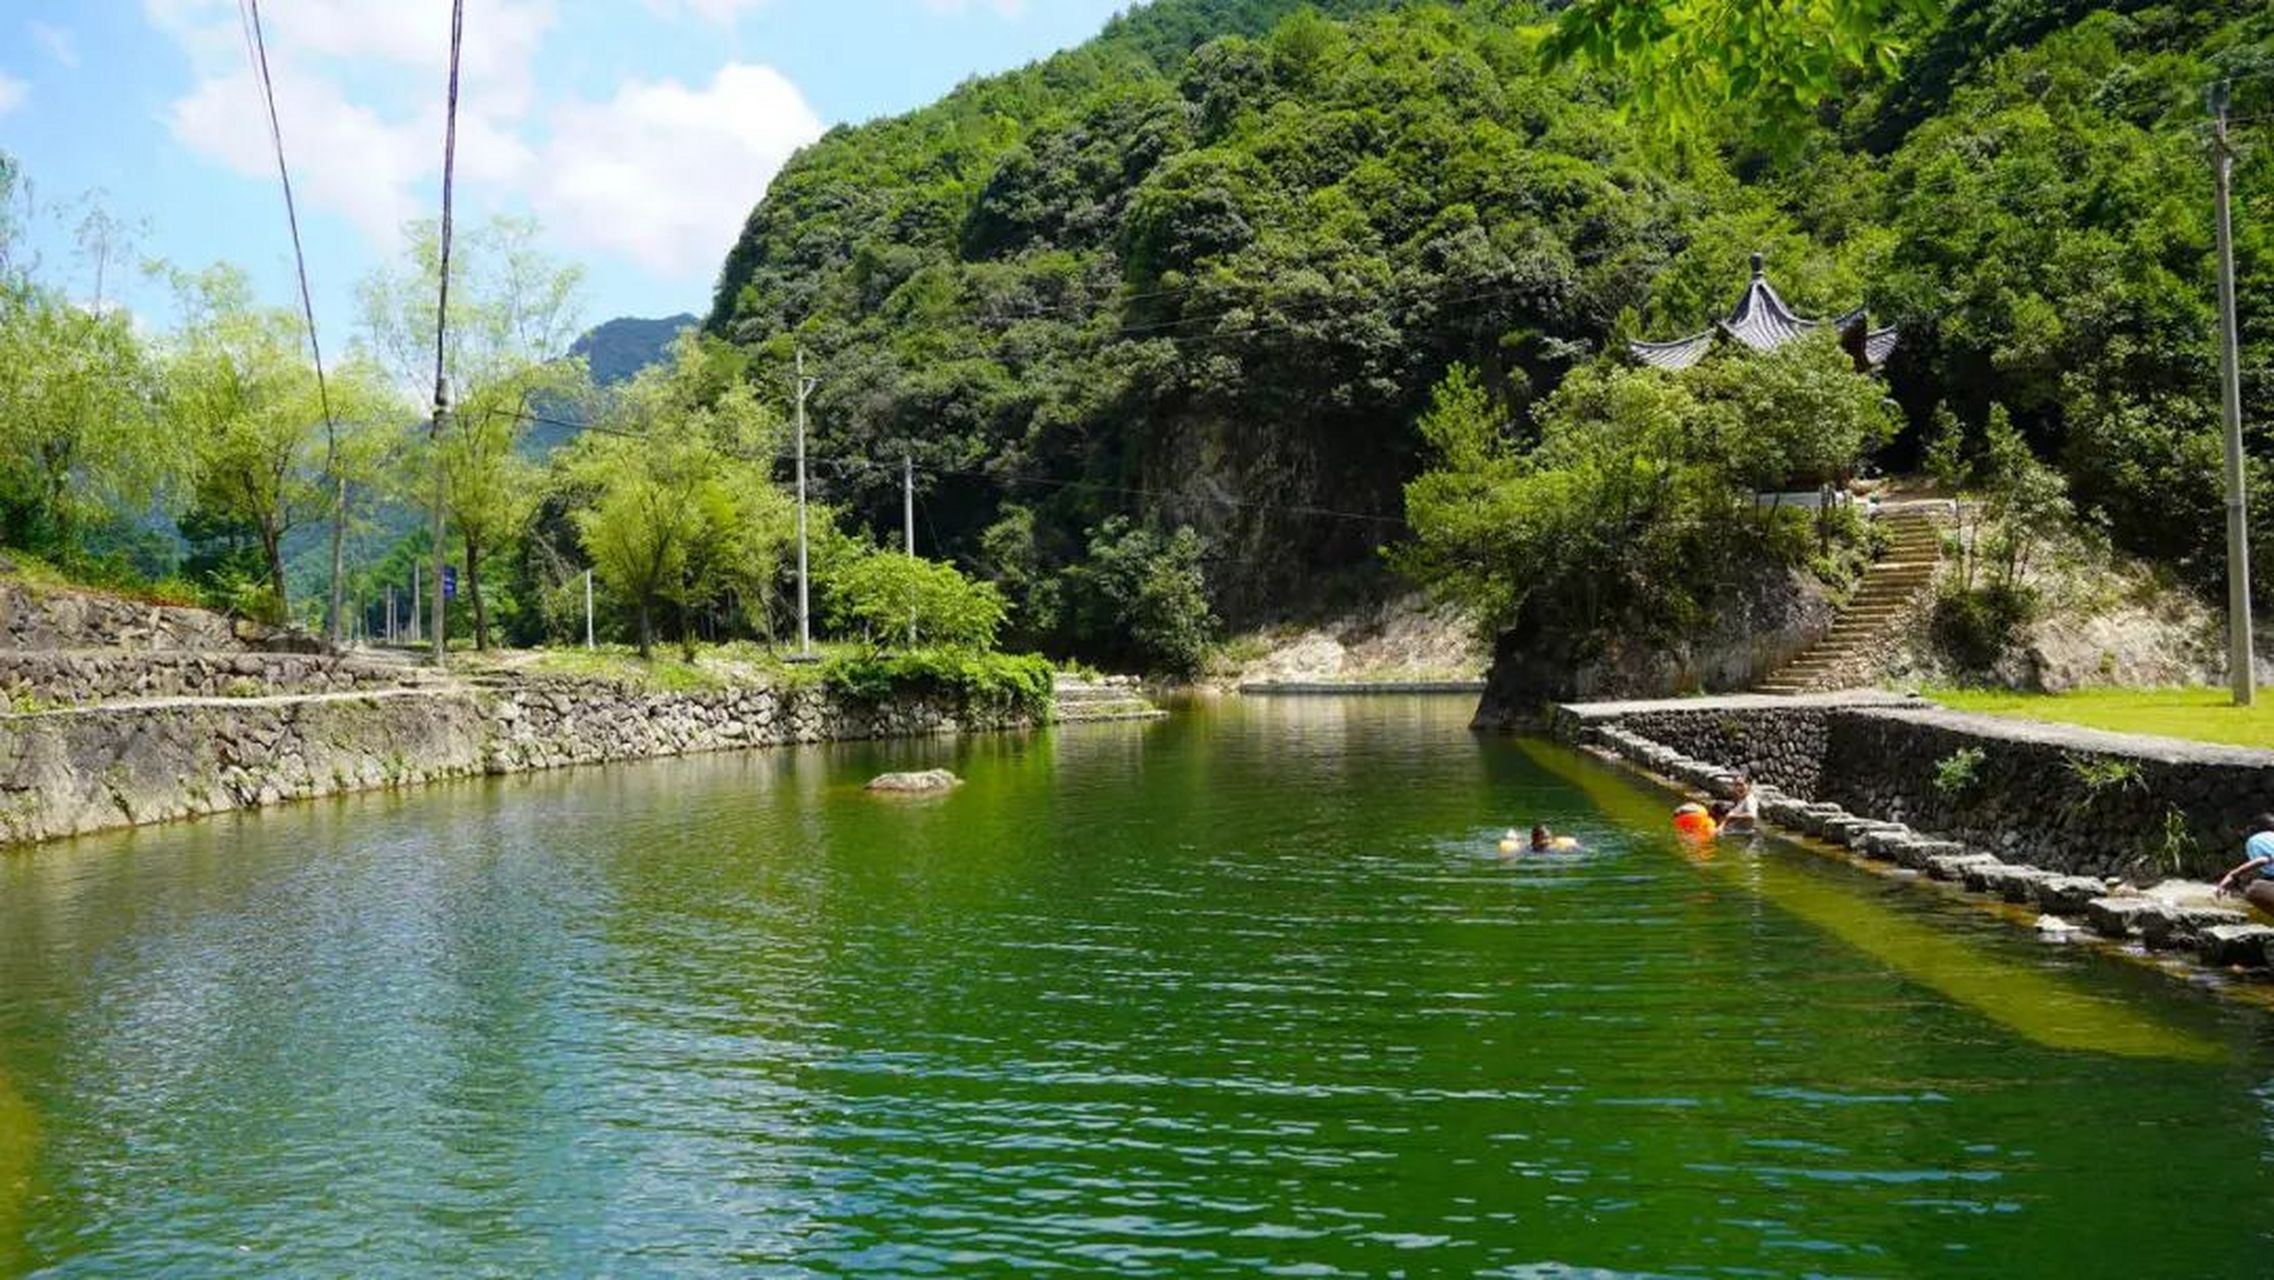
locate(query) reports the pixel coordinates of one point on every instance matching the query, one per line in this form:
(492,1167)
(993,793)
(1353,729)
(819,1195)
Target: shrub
(1142,597)
(1956,773)
(1974,628)
(883,594)
(994,683)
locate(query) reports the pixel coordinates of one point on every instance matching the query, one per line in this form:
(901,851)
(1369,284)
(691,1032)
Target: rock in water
(924,780)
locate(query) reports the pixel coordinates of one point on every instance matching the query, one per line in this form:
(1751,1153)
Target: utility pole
(414,635)
(435,597)
(804,618)
(588,610)
(2240,671)
(908,523)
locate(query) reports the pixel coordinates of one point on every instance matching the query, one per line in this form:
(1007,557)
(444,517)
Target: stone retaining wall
(2074,801)
(35,617)
(69,772)
(35,679)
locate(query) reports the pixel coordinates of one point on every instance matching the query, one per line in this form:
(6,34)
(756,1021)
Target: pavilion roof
(1762,322)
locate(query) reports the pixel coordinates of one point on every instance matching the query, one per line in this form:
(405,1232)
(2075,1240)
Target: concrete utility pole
(908,523)
(805,387)
(2240,672)
(414,634)
(435,596)
(588,610)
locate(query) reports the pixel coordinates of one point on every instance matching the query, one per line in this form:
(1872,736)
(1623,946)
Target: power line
(249,16)
(845,466)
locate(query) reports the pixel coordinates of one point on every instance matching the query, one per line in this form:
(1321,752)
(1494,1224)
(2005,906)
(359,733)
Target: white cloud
(57,42)
(358,95)
(664,174)
(344,157)
(12,92)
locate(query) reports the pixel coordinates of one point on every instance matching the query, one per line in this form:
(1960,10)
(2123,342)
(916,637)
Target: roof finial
(1756,264)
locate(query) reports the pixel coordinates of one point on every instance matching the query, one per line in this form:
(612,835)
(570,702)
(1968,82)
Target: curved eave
(1680,353)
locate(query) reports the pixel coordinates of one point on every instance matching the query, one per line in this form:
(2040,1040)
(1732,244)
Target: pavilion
(1762,321)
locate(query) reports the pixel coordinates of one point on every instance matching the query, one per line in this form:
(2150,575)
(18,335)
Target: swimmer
(1546,841)
(1744,810)
(1510,842)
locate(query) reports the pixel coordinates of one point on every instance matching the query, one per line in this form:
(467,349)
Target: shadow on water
(2027,1001)
(19,1148)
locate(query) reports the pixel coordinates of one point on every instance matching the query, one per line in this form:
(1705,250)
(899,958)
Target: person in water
(1744,810)
(2258,852)
(1546,841)
(1692,820)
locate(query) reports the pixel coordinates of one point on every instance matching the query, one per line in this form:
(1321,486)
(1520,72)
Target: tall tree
(683,508)
(513,315)
(238,387)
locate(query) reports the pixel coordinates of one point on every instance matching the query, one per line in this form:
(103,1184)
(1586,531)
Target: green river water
(1248,990)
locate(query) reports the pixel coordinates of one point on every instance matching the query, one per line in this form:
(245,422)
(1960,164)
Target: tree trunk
(339,540)
(647,630)
(272,547)
(686,634)
(474,588)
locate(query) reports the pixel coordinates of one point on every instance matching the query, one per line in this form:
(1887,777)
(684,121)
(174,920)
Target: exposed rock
(2243,944)
(2067,895)
(924,780)
(2116,917)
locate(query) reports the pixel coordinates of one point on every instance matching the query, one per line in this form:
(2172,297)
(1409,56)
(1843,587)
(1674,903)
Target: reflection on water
(2044,1008)
(1247,990)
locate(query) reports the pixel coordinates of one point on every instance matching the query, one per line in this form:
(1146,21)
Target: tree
(889,595)
(238,387)
(1145,587)
(682,508)
(513,313)
(1778,60)
(76,396)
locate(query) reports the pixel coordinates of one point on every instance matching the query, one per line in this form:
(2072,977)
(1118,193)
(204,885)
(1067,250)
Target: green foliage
(1957,774)
(1635,502)
(1975,628)
(672,497)
(2097,774)
(1774,63)
(2174,847)
(1146,589)
(889,597)
(976,682)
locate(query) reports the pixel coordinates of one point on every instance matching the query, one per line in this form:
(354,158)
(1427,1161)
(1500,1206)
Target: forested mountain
(1205,269)
(621,347)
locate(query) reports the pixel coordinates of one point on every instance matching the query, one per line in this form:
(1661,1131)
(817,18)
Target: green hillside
(1205,269)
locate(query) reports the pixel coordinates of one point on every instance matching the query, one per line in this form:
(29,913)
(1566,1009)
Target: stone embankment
(85,769)
(114,713)
(2069,821)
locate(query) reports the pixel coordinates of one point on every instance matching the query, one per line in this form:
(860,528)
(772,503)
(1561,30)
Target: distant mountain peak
(620,348)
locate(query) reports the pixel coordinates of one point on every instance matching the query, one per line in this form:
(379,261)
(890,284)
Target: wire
(848,465)
(256,45)
(449,164)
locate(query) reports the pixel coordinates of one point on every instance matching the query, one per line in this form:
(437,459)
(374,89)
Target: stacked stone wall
(38,679)
(2073,801)
(76,771)
(37,617)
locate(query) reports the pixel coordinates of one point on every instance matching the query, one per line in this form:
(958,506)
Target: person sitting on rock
(1744,814)
(2258,849)
(1546,841)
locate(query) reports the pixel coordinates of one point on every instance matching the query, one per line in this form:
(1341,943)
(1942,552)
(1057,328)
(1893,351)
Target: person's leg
(2260,894)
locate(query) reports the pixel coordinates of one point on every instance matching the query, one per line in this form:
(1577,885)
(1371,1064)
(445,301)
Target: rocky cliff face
(1756,627)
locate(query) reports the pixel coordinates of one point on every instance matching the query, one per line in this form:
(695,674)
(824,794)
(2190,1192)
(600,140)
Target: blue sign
(450,582)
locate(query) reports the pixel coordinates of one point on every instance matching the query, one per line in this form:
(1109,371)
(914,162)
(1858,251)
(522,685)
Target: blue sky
(638,131)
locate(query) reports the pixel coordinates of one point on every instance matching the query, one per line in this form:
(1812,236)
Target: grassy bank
(2200,715)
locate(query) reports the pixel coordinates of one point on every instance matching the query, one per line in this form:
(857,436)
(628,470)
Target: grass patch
(2199,715)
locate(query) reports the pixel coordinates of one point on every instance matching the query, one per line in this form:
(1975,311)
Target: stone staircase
(1890,590)
(1110,698)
